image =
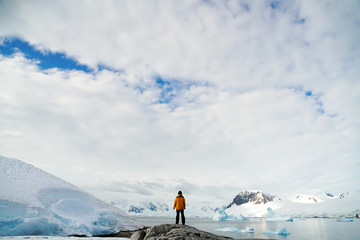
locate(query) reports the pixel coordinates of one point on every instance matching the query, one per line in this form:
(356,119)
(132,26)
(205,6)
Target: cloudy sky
(143,98)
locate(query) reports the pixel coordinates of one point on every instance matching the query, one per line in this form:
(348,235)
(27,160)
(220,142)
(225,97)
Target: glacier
(34,202)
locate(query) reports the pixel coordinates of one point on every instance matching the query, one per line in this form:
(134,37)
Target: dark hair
(180,192)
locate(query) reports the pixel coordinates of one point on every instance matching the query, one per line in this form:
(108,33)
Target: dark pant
(182,216)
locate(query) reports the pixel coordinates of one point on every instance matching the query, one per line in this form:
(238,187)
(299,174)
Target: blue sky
(48,60)
(199,95)
(45,59)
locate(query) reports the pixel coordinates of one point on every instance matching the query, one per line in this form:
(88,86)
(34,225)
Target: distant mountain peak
(312,196)
(256,197)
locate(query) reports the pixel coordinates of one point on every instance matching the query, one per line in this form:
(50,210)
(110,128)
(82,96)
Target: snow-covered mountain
(252,203)
(310,196)
(313,203)
(33,201)
(140,208)
(256,197)
(143,208)
(255,203)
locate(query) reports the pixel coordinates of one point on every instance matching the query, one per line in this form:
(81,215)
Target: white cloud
(86,121)
(246,121)
(208,42)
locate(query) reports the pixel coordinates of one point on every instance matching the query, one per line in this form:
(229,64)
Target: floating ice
(343,219)
(247,230)
(232,229)
(280,231)
(270,232)
(227,229)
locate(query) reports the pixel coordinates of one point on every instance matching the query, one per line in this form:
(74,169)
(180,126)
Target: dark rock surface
(122,234)
(174,232)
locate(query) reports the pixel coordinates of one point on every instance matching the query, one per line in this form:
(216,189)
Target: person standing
(179,204)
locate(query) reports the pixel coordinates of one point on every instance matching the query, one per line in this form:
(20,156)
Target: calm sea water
(310,228)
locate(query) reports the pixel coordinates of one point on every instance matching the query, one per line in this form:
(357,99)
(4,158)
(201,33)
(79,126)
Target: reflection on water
(311,228)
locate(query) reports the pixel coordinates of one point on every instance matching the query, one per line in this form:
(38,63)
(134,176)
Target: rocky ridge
(170,232)
(256,197)
(174,232)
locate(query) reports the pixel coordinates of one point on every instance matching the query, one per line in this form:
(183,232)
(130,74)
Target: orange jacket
(179,203)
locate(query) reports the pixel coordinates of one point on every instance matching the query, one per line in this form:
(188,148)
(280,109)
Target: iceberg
(280,231)
(33,202)
(221,215)
(247,230)
(343,219)
(272,216)
(271,213)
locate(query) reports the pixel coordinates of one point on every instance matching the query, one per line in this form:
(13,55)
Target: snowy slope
(312,203)
(254,203)
(310,196)
(143,208)
(35,202)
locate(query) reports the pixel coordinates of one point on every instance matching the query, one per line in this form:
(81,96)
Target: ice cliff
(34,202)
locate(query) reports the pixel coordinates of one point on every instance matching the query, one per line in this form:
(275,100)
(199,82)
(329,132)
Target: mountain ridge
(255,203)
(257,197)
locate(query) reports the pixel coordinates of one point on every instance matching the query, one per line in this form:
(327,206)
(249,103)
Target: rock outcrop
(256,197)
(174,232)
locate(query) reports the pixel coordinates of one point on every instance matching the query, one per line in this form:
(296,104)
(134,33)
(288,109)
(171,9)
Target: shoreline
(177,232)
(170,232)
